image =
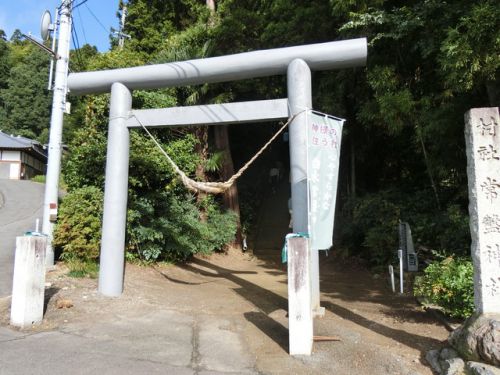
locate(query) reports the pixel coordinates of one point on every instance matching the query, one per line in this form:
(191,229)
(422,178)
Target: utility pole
(50,204)
(121,34)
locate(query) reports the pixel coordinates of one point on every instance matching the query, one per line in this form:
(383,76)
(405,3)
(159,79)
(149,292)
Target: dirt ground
(379,332)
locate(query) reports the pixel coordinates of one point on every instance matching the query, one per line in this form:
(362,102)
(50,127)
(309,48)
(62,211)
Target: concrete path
(21,203)
(158,342)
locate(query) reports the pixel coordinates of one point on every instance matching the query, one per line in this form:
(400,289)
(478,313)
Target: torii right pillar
(303,265)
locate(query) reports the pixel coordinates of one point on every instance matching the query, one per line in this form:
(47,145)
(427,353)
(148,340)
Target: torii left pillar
(115,194)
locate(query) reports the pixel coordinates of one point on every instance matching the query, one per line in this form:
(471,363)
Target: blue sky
(92,20)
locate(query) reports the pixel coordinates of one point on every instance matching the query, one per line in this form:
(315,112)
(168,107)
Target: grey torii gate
(296,62)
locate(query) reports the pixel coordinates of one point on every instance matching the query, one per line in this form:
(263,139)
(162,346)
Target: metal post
(300,98)
(400,256)
(115,194)
(121,35)
(56,125)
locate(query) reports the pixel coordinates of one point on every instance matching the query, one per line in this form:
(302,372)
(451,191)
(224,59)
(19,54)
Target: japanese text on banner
(324,137)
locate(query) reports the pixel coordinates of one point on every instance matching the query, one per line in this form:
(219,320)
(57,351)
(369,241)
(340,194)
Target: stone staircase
(273,223)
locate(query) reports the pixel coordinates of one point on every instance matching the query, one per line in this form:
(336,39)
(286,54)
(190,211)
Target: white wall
(11,155)
(15,171)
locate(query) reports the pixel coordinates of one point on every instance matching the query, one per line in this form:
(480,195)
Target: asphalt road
(21,203)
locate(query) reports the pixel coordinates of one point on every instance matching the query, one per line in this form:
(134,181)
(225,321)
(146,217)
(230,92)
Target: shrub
(78,231)
(40,178)
(369,225)
(372,230)
(449,284)
(170,228)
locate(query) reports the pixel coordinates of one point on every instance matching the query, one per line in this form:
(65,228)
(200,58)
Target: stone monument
(482,137)
(476,344)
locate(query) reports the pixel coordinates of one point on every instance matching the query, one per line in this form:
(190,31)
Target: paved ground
(21,203)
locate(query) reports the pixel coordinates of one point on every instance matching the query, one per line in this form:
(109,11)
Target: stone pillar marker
(482,137)
(28,289)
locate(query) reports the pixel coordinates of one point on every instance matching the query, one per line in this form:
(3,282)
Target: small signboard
(324,134)
(410,261)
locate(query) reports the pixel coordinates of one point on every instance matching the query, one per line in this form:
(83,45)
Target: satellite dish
(46,25)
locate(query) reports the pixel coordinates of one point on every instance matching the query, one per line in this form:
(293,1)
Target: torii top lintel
(321,56)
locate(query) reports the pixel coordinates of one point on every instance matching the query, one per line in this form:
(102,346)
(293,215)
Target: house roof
(11,142)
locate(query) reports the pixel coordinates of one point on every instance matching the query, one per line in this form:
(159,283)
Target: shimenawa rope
(213,187)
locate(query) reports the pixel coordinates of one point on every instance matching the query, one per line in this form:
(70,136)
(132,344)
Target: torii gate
(297,63)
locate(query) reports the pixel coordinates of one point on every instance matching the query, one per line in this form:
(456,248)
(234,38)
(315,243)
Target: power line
(76,43)
(80,3)
(97,19)
(82,27)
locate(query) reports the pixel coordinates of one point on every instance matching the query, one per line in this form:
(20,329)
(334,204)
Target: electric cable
(76,44)
(80,3)
(82,26)
(97,19)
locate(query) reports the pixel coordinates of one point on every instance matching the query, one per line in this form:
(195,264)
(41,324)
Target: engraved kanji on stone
(492,254)
(491,224)
(493,289)
(487,153)
(487,128)
(491,188)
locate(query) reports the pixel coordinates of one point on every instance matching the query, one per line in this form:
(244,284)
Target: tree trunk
(230,198)
(211,5)
(428,166)
(201,148)
(353,170)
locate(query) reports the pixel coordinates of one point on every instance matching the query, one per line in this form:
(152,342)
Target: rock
(478,339)
(476,368)
(452,366)
(432,357)
(64,303)
(448,353)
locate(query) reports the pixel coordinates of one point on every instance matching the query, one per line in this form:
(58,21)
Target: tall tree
(26,99)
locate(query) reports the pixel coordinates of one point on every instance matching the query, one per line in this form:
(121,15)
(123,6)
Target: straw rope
(213,187)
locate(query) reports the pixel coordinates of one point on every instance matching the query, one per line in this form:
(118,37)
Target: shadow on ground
(267,302)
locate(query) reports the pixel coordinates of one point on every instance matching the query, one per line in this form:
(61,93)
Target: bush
(169,228)
(373,229)
(449,284)
(40,178)
(78,231)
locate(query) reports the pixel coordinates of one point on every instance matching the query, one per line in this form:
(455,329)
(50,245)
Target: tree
(25,98)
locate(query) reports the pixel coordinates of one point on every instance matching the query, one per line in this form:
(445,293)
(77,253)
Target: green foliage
(470,51)
(170,228)
(84,165)
(79,268)
(26,101)
(449,284)
(372,230)
(39,178)
(78,230)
